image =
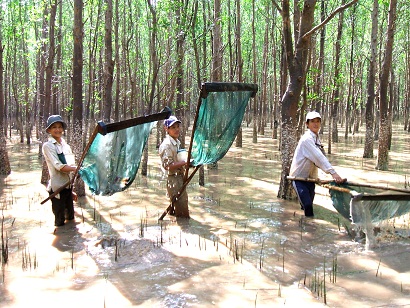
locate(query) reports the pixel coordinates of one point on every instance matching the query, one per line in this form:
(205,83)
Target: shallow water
(242,246)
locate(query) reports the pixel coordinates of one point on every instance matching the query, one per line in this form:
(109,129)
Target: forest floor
(242,247)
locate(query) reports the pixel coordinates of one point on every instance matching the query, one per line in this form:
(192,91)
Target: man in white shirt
(309,156)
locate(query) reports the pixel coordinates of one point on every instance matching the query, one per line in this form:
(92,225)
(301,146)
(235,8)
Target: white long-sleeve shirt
(308,158)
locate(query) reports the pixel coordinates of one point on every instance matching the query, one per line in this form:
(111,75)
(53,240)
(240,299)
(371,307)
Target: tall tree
(296,66)
(4,157)
(49,60)
(239,59)
(108,62)
(371,80)
(216,73)
(254,74)
(77,88)
(383,149)
(337,82)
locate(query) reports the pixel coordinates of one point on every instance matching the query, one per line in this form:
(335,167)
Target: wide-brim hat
(171,121)
(53,119)
(312,115)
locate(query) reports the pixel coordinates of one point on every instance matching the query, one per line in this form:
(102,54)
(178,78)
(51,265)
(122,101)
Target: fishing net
(219,119)
(369,205)
(112,161)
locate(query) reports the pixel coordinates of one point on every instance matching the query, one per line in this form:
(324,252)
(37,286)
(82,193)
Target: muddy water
(242,247)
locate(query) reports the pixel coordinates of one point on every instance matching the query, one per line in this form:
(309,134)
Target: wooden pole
(319,181)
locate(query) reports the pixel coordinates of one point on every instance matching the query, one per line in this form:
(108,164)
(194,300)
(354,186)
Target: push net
(113,158)
(369,205)
(219,117)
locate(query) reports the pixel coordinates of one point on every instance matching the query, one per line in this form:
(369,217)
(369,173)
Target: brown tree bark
(255,113)
(5,168)
(350,95)
(77,89)
(383,149)
(296,65)
(153,73)
(216,73)
(334,136)
(48,75)
(239,60)
(118,65)
(217,52)
(108,63)
(371,80)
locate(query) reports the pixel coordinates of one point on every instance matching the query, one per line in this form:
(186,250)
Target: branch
(323,23)
(277,6)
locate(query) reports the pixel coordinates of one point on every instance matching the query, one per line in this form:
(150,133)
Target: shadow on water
(241,243)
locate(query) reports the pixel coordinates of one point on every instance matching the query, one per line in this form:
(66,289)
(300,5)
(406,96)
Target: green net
(219,119)
(112,161)
(369,205)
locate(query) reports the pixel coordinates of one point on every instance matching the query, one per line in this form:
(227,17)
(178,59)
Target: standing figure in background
(309,156)
(60,162)
(174,167)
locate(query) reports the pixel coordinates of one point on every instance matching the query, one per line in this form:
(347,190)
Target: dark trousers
(63,208)
(306,194)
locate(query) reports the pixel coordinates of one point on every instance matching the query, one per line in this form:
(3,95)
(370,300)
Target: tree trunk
(108,63)
(49,74)
(77,89)
(296,60)
(296,65)
(383,151)
(350,96)
(255,101)
(118,66)
(154,76)
(216,74)
(5,168)
(336,84)
(239,60)
(28,114)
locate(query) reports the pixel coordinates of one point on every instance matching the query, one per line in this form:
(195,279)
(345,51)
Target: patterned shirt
(308,157)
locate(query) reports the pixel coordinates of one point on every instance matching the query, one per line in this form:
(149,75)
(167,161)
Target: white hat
(312,115)
(170,121)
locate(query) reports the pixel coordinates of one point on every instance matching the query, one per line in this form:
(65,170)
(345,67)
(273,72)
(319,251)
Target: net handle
(319,181)
(198,105)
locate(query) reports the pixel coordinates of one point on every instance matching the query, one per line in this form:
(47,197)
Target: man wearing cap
(174,169)
(60,162)
(309,156)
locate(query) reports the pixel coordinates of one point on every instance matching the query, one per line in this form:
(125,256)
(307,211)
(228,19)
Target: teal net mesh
(112,161)
(370,205)
(219,119)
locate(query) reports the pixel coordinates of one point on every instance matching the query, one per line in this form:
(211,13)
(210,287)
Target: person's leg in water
(175,182)
(306,194)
